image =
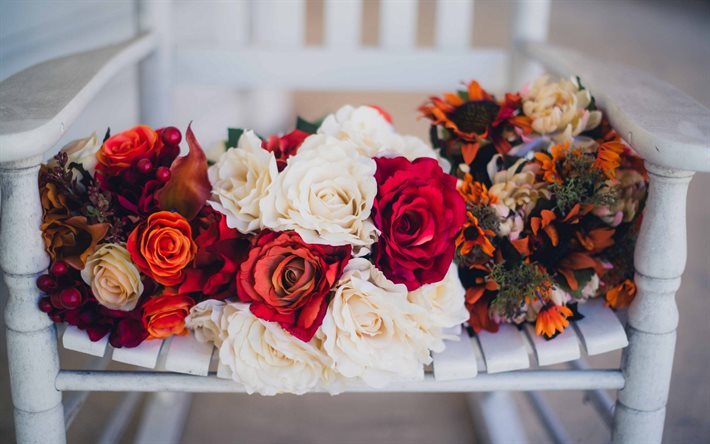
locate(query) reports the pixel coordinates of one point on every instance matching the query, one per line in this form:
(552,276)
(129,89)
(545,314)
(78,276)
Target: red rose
(419,212)
(220,251)
(285,146)
(124,149)
(288,281)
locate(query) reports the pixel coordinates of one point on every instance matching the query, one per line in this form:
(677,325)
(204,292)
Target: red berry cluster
(65,290)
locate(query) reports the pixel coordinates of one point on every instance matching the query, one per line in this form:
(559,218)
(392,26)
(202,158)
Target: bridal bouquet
(554,199)
(318,258)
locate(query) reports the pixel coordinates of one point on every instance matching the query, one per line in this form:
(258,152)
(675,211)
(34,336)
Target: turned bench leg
(653,316)
(31,335)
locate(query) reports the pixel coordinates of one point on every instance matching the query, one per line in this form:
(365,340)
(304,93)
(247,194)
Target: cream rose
(444,306)
(81,151)
(205,320)
(370,330)
(372,134)
(115,281)
(240,179)
(265,358)
(559,109)
(325,193)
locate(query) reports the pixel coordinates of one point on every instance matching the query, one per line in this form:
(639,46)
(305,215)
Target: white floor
(673,42)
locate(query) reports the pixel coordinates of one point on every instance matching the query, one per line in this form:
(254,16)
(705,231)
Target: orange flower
(164,316)
(122,150)
(609,157)
(545,222)
(71,239)
(478,304)
(548,162)
(621,295)
(468,118)
(552,319)
(162,246)
(475,192)
(471,235)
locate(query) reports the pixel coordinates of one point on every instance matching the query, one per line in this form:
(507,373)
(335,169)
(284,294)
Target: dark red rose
(419,212)
(285,146)
(288,281)
(220,251)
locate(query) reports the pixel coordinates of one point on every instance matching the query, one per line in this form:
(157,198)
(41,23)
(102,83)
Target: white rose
(265,358)
(372,134)
(205,321)
(115,281)
(444,305)
(559,109)
(325,193)
(240,179)
(369,329)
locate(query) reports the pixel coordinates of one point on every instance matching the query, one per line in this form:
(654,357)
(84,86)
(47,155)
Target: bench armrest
(663,124)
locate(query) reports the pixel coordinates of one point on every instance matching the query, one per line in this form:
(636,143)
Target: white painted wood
(659,260)
(74,401)
(663,124)
(145,355)
(186,355)
(156,73)
(504,350)
(496,417)
(563,348)
(398,24)
(342,23)
(146,381)
(322,69)
(39,103)
(164,417)
(600,399)
(453,331)
(278,24)
(457,361)
(600,331)
(530,24)
(78,340)
(454,24)
(31,335)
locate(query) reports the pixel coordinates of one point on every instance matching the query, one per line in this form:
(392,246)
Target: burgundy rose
(220,251)
(419,212)
(288,281)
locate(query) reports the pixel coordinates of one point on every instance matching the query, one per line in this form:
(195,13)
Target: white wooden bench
(670,130)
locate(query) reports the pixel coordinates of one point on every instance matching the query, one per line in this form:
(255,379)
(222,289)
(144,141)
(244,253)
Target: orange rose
(164,316)
(162,246)
(122,150)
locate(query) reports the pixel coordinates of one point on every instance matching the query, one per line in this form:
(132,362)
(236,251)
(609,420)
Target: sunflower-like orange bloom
(469,118)
(552,319)
(544,222)
(621,295)
(548,163)
(472,235)
(609,157)
(475,192)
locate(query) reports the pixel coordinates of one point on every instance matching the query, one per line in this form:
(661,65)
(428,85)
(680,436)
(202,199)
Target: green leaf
(233,135)
(306,126)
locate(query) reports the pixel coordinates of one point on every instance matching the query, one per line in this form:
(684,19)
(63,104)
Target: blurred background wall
(669,39)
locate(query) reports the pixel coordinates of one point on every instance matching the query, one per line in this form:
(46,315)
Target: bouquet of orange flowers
(554,199)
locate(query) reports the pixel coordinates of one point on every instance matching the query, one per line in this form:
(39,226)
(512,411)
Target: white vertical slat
(563,348)
(155,85)
(530,24)
(457,361)
(600,329)
(343,23)
(78,340)
(164,417)
(398,24)
(278,24)
(454,24)
(504,350)
(145,355)
(186,355)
